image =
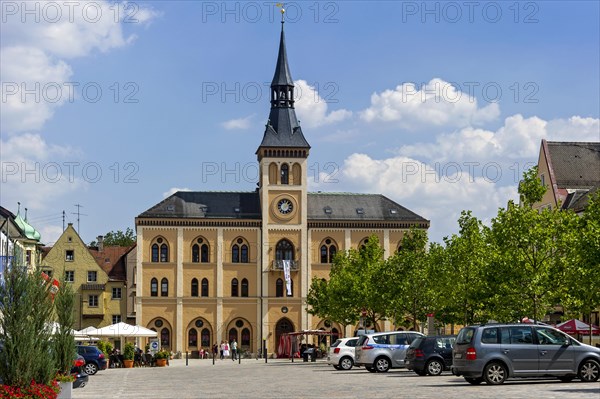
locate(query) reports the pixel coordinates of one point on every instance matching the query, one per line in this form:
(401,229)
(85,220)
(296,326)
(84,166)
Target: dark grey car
(495,352)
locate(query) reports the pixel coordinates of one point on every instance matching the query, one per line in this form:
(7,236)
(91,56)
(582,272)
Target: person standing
(234,353)
(226,349)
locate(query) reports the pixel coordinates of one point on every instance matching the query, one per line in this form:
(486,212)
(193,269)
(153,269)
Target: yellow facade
(71,258)
(210,266)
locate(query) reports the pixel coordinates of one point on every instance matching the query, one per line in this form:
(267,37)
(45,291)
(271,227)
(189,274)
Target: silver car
(341,353)
(379,352)
(495,352)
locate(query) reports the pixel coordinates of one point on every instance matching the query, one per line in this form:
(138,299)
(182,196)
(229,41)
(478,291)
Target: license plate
(458,355)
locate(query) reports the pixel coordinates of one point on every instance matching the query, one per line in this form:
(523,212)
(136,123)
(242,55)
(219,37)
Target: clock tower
(282,157)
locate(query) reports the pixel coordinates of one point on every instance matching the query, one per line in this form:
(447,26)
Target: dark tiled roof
(283,130)
(578,199)
(282,76)
(347,206)
(199,204)
(575,165)
(343,206)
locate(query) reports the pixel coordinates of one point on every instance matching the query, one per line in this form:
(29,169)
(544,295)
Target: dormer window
(328,210)
(360,211)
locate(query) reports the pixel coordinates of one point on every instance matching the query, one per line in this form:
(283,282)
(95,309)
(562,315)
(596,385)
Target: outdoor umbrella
(575,326)
(121,330)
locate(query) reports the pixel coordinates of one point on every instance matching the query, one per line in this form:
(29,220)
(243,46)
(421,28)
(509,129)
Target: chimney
(100,243)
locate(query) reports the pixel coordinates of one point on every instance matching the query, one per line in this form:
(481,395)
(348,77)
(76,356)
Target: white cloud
(32,87)
(74,29)
(518,139)
(36,173)
(173,190)
(312,109)
(241,123)
(422,189)
(437,103)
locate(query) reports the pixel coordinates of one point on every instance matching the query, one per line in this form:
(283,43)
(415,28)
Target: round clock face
(285,206)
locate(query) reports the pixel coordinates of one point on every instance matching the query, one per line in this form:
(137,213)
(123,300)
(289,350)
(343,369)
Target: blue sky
(439,106)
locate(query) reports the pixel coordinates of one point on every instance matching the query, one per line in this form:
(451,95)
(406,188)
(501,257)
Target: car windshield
(465,336)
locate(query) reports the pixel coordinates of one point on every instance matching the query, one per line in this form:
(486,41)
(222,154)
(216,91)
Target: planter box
(127,363)
(161,362)
(66,390)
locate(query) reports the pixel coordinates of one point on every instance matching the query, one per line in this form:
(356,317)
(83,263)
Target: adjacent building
(570,171)
(97,275)
(215,266)
(20,242)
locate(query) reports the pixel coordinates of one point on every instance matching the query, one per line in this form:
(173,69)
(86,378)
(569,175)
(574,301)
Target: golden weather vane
(282,11)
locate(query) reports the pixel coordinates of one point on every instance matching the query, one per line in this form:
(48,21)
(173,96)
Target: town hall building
(215,266)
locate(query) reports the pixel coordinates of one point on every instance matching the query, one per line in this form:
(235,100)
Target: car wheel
(495,373)
(370,369)
(382,365)
(90,368)
(589,371)
(474,381)
(346,363)
(434,367)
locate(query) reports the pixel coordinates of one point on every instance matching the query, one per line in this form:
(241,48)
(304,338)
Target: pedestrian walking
(234,353)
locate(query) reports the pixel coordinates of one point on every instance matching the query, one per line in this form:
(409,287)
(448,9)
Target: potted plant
(128,355)
(161,358)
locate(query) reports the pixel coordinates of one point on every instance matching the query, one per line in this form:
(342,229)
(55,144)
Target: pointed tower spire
(283,128)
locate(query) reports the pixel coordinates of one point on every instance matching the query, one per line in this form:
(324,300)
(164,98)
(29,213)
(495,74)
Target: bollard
(186,358)
(213,358)
(239,355)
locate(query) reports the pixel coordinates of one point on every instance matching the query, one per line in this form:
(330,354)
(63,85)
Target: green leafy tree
(531,189)
(26,309)
(460,272)
(357,283)
(63,339)
(118,239)
(529,251)
(412,292)
(581,293)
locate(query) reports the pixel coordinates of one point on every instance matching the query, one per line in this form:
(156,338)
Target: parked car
(495,352)
(341,353)
(430,355)
(379,352)
(94,358)
(81,377)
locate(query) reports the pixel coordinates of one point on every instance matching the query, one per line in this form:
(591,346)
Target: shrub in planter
(128,354)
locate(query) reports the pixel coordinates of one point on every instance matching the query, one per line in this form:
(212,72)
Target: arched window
(234,287)
(363,244)
(328,250)
(154,252)
(194,287)
(164,287)
(165,337)
(193,337)
(204,287)
(279,288)
(285,174)
(244,255)
(245,337)
(245,288)
(164,253)
(284,250)
(200,251)
(204,253)
(195,253)
(296,174)
(154,287)
(205,337)
(233,334)
(272,173)
(235,253)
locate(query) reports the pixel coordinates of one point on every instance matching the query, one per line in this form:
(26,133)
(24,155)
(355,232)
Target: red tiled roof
(112,261)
